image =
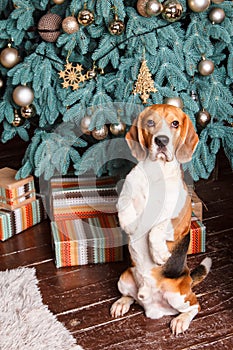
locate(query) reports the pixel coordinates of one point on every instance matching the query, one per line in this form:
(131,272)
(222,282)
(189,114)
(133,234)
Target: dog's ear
(188,141)
(136,141)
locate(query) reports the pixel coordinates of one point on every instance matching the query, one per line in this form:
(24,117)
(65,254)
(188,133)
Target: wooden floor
(81,296)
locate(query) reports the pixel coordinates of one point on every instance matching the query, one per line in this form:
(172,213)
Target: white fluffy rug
(25,322)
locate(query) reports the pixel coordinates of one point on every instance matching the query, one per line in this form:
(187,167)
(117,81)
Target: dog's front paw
(121,306)
(180,324)
(160,257)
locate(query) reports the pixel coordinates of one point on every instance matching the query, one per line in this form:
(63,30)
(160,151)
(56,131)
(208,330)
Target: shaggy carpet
(25,322)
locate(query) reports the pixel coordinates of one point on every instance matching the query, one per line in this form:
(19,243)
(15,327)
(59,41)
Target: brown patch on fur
(127,276)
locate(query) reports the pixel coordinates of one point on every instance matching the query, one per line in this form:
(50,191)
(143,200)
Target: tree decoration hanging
(205,66)
(154,8)
(172,10)
(217,15)
(23,95)
(18,120)
(100,134)
(198,5)
(70,25)
(174,101)
(9,57)
(203,118)
(28,111)
(72,75)
(85,16)
(144,84)
(49,27)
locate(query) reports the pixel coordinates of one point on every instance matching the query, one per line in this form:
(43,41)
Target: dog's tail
(201,271)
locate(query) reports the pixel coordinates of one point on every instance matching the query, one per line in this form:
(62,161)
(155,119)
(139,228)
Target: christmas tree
(75,73)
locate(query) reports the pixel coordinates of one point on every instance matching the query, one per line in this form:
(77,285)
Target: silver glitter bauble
(70,25)
(174,101)
(23,95)
(217,15)
(198,5)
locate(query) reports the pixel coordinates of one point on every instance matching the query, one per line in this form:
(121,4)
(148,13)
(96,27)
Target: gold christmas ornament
(116,27)
(203,118)
(9,57)
(28,111)
(154,8)
(1,83)
(217,15)
(85,123)
(117,128)
(100,134)
(49,27)
(85,17)
(72,76)
(141,7)
(205,67)
(23,95)
(70,25)
(172,10)
(174,101)
(144,84)
(58,2)
(198,5)
(18,120)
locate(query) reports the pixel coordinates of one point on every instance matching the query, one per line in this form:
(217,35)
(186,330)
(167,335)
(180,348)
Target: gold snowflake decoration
(144,84)
(72,76)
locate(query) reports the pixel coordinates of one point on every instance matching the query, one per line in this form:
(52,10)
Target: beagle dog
(154,209)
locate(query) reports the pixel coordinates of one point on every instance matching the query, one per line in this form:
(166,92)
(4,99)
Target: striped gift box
(86,241)
(197,237)
(82,197)
(15,193)
(15,221)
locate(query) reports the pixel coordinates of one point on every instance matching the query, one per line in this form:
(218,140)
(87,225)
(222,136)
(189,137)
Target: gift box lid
(8,181)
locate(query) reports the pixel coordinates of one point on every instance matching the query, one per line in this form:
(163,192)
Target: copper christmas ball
(49,27)
(18,120)
(100,134)
(28,111)
(70,25)
(217,15)
(58,2)
(141,7)
(174,101)
(116,27)
(118,128)
(205,67)
(154,8)
(23,95)
(9,57)
(172,10)
(85,122)
(203,118)
(198,5)
(85,17)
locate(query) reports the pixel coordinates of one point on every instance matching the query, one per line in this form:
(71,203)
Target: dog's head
(162,132)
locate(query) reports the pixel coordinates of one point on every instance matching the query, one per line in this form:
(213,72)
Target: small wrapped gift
(15,221)
(197,237)
(82,197)
(87,241)
(15,193)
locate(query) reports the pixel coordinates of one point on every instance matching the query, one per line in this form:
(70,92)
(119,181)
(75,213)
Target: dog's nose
(161,140)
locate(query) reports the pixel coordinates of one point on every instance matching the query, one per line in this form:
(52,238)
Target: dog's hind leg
(128,289)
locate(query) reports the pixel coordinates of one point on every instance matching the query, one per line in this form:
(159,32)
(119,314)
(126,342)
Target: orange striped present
(85,241)
(197,237)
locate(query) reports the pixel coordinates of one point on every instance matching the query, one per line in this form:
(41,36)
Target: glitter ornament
(9,57)
(70,25)
(49,27)
(144,84)
(23,95)
(72,76)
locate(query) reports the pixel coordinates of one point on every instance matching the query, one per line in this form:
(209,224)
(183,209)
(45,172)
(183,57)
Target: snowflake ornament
(72,76)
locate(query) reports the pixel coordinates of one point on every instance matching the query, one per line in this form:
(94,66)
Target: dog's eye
(175,124)
(150,123)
